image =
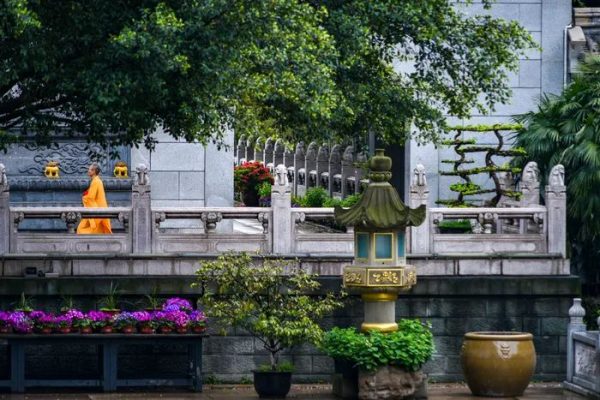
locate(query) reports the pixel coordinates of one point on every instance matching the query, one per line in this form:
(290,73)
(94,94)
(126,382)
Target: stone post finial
(576,312)
(530,184)
(4,212)
(3,178)
(557,176)
(142,178)
(419,176)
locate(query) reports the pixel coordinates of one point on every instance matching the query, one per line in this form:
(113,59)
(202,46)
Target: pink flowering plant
(144,319)
(4,319)
(177,304)
(42,320)
(172,319)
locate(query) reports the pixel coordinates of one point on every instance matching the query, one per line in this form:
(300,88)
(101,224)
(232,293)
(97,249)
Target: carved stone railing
(514,232)
(583,355)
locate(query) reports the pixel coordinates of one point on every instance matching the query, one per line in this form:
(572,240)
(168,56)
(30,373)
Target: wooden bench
(108,345)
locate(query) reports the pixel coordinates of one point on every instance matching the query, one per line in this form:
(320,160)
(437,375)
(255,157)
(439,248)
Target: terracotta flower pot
(182,330)
(165,329)
(498,364)
(4,329)
(106,329)
(146,330)
(86,330)
(128,329)
(64,330)
(198,329)
(46,331)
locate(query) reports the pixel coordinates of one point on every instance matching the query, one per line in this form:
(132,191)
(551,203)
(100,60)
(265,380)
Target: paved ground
(540,391)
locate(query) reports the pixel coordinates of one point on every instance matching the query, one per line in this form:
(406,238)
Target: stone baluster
(250,149)
(268,154)
(419,194)
(348,178)
(556,206)
(5,223)
(311,166)
(576,324)
(278,151)
(299,181)
(359,173)
(323,167)
(142,225)
(281,206)
(240,150)
(259,146)
(335,172)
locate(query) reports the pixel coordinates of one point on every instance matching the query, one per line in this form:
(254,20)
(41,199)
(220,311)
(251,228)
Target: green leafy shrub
(318,197)
(284,366)
(264,189)
(258,298)
(410,347)
(458,226)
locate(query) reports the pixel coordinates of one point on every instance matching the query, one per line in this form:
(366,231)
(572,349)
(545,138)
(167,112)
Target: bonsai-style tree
(279,310)
(462,147)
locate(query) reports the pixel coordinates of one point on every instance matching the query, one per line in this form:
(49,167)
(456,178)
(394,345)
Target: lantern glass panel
(362,245)
(383,246)
(400,236)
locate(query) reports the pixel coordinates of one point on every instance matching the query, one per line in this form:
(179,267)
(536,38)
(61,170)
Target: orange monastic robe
(94,197)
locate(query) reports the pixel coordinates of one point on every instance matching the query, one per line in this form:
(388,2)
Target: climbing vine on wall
(465,148)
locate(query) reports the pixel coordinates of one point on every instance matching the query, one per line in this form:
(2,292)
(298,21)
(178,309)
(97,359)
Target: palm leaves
(566,129)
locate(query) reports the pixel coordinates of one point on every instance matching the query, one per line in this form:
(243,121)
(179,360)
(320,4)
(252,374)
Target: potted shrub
(264,194)
(101,321)
(144,321)
(42,322)
(110,303)
(125,322)
(198,321)
(153,301)
(20,322)
(273,307)
(177,304)
(247,178)
(377,355)
(5,322)
(455,226)
(25,305)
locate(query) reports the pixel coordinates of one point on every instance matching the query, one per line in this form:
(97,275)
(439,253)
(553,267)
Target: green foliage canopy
(565,130)
(113,71)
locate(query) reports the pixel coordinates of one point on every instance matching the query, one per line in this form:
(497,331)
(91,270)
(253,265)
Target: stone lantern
(379,271)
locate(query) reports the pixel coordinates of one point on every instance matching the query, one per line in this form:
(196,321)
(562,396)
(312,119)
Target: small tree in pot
(279,310)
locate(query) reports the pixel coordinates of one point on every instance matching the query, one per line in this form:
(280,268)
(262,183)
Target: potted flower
(84,324)
(177,304)
(247,178)
(25,305)
(110,303)
(20,322)
(153,301)
(168,321)
(125,322)
(182,321)
(42,322)
(197,321)
(63,323)
(101,321)
(5,320)
(145,322)
(273,307)
(363,359)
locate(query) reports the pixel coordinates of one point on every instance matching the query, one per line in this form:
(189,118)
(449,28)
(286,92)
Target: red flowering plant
(248,177)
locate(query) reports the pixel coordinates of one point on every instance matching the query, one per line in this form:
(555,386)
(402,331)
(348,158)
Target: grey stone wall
(453,306)
(540,72)
(188,174)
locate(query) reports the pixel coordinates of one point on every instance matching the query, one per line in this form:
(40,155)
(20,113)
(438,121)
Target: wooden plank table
(109,345)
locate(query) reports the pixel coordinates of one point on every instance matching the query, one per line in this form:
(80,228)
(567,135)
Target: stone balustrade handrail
(474,212)
(57,212)
(225,212)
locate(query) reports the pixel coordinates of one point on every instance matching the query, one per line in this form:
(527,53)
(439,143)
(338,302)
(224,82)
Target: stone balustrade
(504,240)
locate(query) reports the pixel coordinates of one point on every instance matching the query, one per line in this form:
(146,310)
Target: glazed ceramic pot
(498,364)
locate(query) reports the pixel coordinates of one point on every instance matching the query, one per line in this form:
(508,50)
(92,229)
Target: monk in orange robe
(94,197)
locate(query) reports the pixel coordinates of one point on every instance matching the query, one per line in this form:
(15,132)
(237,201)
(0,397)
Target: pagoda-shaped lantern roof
(380,207)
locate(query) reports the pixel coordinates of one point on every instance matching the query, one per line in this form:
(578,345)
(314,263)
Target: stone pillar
(576,324)
(335,172)
(419,194)
(268,154)
(281,205)
(300,174)
(348,171)
(4,212)
(311,166)
(278,153)
(556,204)
(240,150)
(141,225)
(258,149)
(250,149)
(323,167)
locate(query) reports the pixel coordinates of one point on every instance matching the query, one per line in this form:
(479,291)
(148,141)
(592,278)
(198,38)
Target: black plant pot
(272,384)
(345,379)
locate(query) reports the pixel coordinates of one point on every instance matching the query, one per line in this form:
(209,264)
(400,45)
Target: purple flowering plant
(197,319)
(100,319)
(4,319)
(125,320)
(144,318)
(63,321)
(20,322)
(177,304)
(42,320)
(172,319)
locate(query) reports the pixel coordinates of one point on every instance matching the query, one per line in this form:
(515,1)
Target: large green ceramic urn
(379,271)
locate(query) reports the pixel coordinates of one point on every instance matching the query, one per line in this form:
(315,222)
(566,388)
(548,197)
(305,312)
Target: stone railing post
(323,167)
(281,206)
(278,151)
(347,171)
(258,150)
(419,194)
(300,174)
(556,205)
(249,149)
(268,154)
(576,324)
(311,166)
(335,172)
(141,224)
(4,212)
(240,150)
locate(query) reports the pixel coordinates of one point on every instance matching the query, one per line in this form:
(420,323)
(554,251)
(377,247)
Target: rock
(389,383)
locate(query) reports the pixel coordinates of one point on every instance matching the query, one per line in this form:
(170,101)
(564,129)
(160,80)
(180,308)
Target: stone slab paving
(536,391)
